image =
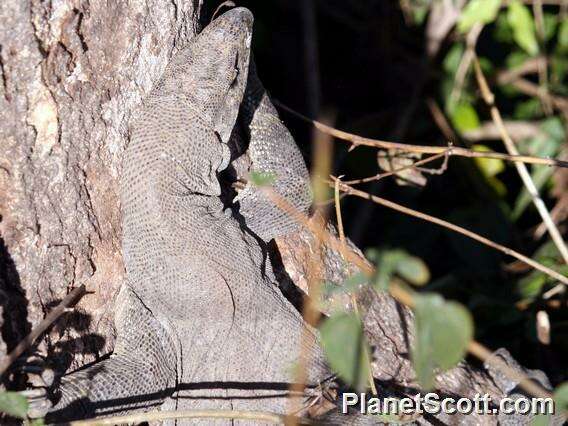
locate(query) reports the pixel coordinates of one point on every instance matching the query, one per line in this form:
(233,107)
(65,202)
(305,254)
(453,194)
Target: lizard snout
(235,21)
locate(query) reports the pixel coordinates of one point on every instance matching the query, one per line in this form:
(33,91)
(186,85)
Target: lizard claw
(38,403)
(40,379)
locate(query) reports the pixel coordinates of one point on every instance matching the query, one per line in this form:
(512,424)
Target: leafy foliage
(397,262)
(262,178)
(478,11)
(524,58)
(443,331)
(345,347)
(521,22)
(14,404)
(464,117)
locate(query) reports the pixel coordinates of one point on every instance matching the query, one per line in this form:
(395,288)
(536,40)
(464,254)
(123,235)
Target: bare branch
(489,99)
(396,291)
(531,89)
(190,414)
(356,140)
(518,130)
(71,299)
(353,297)
(530,66)
(445,224)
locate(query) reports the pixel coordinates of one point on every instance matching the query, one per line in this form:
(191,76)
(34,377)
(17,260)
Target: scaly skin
(201,321)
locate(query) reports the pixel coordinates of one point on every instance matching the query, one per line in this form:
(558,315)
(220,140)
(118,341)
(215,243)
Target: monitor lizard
(201,321)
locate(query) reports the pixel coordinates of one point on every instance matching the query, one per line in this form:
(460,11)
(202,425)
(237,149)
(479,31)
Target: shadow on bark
(15,324)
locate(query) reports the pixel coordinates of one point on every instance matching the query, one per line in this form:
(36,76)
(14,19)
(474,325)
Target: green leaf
(465,117)
(14,404)
(550,24)
(486,65)
(391,262)
(262,178)
(413,270)
(563,37)
(345,348)
(503,31)
(419,14)
(522,23)
(490,168)
(516,59)
(548,254)
(384,269)
(453,58)
(484,11)
(554,128)
(531,286)
(530,108)
(561,397)
(559,69)
(443,332)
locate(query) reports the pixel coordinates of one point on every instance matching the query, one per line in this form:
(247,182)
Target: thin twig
(445,224)
(396,291)
(518,130)
(465,62)
(338,212)
(531,89)
(189,414)
(356,140)
(441,120)
(380,176)
(322,160)
(522,169)
(69,300)
(530,66)
(353,296)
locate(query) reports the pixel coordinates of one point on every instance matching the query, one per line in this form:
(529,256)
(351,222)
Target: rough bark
(389,329)
(71,74)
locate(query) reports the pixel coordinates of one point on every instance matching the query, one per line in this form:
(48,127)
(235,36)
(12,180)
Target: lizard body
(201,321)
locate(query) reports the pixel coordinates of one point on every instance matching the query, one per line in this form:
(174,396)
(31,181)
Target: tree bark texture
(71,74)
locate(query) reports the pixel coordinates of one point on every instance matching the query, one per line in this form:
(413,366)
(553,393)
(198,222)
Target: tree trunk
(71,75)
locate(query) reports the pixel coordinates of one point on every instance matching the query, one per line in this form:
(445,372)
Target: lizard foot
(38,402)
(40,379)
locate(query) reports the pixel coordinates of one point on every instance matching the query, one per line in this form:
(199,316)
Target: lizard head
(212,70)
(231,34)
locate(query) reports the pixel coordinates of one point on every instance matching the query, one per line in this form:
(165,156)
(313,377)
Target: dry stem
(356,140)
(353,297)
(399,293)
(21,347)
(489,98)
(260,416)
(510,252)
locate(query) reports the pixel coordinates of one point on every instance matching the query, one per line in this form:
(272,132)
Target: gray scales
(201,321)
